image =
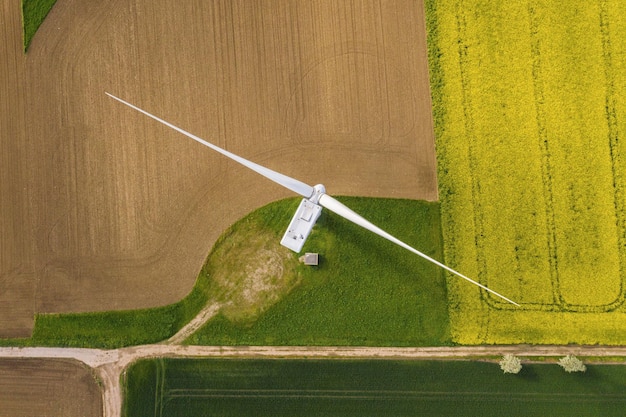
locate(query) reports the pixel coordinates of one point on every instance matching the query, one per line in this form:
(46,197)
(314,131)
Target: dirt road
(207,313)
(109,365)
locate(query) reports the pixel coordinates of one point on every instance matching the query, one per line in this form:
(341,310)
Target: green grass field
(112,329)
(33,14)
(366,290)
(182,387)
(528,112)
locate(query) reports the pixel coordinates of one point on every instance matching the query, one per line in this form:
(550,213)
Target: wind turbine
(311,205)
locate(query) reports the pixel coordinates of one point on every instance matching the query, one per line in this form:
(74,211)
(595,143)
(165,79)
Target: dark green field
(186,387)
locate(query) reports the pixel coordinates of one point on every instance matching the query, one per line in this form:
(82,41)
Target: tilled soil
(105,209)
(48,387)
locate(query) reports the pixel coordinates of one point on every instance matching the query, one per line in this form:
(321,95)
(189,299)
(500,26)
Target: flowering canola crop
(530,113)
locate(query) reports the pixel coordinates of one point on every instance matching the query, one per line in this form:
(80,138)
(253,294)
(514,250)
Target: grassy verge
(364,292)
(33,14)
(530,167)
(180,388)
(112,329)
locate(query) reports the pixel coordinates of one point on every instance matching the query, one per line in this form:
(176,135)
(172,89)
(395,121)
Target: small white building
(311,259)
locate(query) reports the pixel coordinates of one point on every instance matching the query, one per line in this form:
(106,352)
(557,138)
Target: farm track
(109,365)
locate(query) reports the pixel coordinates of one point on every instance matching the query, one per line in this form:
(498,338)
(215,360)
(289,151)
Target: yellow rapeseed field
(530,113)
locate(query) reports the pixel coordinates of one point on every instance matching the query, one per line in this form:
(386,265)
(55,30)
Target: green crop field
(186,387)
(529,112)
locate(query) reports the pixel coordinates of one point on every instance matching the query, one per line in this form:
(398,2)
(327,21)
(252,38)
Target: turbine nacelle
(301,225)
(318,191)
(303,220)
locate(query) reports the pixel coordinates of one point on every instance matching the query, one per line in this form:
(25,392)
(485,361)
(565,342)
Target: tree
(510,364)
(572,364)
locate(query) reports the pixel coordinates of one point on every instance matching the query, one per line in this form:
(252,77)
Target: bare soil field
(48,387)
(17,279)
(109,210)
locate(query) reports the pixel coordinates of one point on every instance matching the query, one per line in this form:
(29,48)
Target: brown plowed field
(104,209)
(17,278)
(48,387)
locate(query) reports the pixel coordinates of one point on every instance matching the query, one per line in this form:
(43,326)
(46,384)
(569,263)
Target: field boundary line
(546,168)
(469,126)
(613,130)
(376,394)
(159,389)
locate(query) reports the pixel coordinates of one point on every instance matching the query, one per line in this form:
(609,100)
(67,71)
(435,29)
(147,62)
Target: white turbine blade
(345,212)
(292,184)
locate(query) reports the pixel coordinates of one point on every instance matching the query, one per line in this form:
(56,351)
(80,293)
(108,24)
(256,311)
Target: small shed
(311,259)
